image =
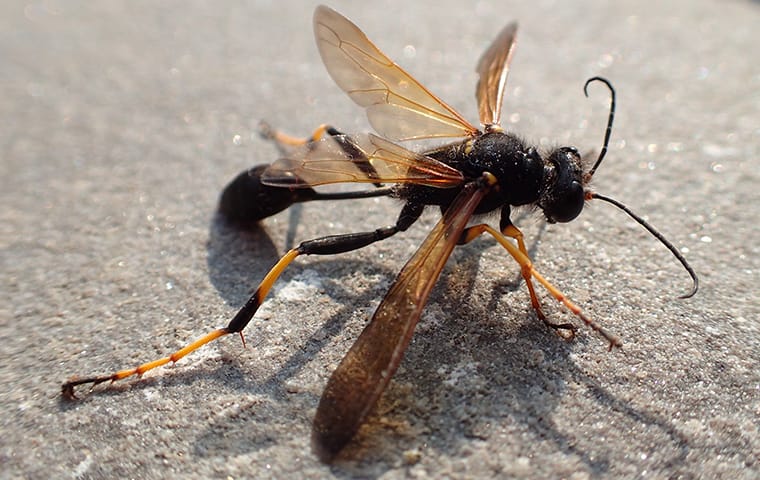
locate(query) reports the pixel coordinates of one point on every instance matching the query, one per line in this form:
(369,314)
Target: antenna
(611,117)
(658,236)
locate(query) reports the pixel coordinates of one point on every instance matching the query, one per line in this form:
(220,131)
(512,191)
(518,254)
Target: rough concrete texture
(122,121)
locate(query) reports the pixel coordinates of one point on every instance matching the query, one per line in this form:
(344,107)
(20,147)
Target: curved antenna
(658,236)
(611,117)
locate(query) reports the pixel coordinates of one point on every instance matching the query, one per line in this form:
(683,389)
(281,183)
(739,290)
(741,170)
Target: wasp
(481,170)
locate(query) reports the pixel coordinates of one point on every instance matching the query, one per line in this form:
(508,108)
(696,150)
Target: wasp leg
(510,230)
(247,200)
(329,245)
(526,266)
(514,232)
(287,141)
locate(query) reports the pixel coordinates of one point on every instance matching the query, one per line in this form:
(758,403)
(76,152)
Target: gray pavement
(122,122)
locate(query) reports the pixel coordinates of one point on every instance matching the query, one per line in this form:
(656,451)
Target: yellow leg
(329,245)
(526,266)
(513,232)
(237,324)
(286,140)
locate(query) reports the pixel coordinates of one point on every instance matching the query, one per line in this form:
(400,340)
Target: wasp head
(563,195)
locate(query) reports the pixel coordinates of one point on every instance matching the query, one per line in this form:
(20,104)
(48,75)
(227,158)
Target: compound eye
(567,204)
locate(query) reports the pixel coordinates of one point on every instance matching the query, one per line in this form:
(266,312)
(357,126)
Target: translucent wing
(364,373)
(493,69)
(398,106)
(358,158)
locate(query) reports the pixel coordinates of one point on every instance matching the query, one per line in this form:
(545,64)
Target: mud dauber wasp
(483,171)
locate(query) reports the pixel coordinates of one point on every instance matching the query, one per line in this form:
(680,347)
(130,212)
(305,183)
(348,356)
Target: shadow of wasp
(483,170)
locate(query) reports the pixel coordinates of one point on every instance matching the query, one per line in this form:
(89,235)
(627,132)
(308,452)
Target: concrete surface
(122,121)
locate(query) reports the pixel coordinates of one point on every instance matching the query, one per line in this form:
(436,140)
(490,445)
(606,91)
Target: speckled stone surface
(122,122)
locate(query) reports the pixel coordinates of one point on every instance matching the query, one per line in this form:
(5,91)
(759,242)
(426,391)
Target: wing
(398,106)
(493,69)
(364,373)
(358,158)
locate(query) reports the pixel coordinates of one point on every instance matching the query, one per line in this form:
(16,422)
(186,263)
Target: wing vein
(373,80)
(364,373)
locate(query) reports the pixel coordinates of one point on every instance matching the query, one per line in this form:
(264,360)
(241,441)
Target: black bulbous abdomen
(246,200)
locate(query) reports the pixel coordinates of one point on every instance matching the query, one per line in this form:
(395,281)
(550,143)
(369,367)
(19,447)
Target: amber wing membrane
(365,371)
(358,158)
(493,69)
(398,106)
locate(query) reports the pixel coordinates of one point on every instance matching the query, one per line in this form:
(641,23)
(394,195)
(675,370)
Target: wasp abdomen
(245,199)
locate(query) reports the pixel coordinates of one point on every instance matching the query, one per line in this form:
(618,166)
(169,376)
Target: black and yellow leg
(289,141)
(526,266)
(248,199)
(328,245)
(513,232)
(509,229)
(285,141)
(236,325)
